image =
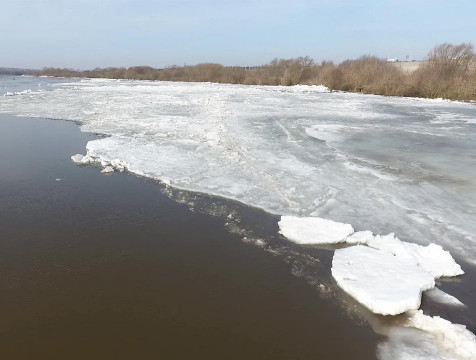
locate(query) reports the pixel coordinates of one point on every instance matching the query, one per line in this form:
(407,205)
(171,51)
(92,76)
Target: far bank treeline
(449,72)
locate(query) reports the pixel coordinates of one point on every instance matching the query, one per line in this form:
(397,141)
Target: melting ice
(381,164)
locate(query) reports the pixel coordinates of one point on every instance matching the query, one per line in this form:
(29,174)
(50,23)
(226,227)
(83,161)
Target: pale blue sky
(89,33)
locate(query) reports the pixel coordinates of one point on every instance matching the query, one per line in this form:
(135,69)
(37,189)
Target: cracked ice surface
(382,164)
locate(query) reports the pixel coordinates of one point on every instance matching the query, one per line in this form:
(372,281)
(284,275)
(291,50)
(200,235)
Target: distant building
(392,60)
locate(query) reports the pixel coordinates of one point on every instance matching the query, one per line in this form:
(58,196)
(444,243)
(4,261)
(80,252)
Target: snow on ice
(360,237)
(382,282)
(314,230)
(371,273)
(423,337)
(432,258)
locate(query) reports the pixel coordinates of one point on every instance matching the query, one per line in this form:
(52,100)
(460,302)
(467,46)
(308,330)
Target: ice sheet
(386,164)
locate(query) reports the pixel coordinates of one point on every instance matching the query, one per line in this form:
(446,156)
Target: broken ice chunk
(314,230)
(360,237)
(107,170)
(384,283)
(77,158)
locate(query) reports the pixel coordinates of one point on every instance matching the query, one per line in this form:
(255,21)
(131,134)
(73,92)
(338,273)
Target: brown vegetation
(449,72)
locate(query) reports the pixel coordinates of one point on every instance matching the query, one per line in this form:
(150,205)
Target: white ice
(372,283)
(384,283)
(370,275)
(77,158)
(314,230)
(107,170)
(258,145)
(23,92)
(432,257)
(360,237)
(252,143)
(379,163)
(393,258)
(422,337)
(441,297)
(92,159)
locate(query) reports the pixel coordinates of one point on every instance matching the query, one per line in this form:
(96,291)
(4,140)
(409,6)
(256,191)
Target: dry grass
(449,72)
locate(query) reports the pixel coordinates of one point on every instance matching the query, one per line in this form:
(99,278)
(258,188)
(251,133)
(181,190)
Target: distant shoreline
(448,73)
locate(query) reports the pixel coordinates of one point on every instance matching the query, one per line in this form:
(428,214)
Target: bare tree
(450,59)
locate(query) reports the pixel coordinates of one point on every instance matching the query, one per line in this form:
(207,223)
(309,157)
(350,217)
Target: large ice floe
(312,230)
(384,283)
(431,258)
(388,276)
(383,273)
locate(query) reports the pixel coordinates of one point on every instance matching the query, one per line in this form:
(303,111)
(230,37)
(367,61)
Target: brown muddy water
(119,267)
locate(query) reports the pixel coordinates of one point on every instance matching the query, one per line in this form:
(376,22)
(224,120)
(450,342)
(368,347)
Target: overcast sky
(89,33)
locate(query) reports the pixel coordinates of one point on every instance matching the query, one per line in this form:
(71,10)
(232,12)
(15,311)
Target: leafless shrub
(449,72)
(450,59)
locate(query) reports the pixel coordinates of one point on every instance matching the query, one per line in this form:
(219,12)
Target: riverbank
(449,73)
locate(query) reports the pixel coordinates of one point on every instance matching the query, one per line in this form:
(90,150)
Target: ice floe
(77,158)
(109,166)
(314,230)
(389,275)
(382,282)
(107,170)
(441,297)
(432,257)
(360,237)
(23,92)
(392,260)
(370,271)
(423,337)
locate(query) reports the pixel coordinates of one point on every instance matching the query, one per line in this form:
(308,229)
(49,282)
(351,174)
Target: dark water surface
(108,267)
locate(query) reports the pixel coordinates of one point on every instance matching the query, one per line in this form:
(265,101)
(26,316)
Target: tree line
(449,72)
